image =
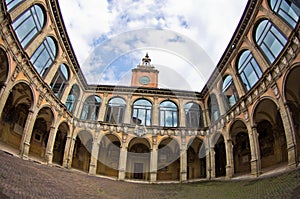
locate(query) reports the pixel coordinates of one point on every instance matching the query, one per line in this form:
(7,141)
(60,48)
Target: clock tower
(145,75)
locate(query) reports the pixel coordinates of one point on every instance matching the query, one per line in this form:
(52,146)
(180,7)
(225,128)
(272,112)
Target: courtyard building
(245,120)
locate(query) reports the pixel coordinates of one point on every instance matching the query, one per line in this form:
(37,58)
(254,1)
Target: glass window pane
(10,4)
(29,24)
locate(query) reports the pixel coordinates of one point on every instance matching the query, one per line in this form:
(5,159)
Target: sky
(184,39)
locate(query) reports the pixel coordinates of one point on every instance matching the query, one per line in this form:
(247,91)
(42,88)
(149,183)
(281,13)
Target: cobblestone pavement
(27,179)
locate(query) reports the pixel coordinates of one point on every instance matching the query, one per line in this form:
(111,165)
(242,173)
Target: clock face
(144,80)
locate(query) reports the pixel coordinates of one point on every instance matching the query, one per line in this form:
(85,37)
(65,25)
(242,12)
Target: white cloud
(190,29)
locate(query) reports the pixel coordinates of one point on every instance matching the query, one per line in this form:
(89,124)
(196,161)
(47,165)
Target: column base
(153,177)
(255,168)
(121,175)
(183,177)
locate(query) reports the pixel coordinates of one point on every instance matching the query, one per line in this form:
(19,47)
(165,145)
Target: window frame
(165,110)
(29,24)
(248,63)
(115,107)
(91,108)
(139,109)
(266,36)
(192,113)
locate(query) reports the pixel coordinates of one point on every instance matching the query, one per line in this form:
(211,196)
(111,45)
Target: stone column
(255,152)
(229,159)
(94,157)
(65,93)
(207,156)
(212,162)
(69,148)
(181,115)
(183,163)
(155,114)
(221,103)
(2,89)
(27,132)
(127,117)
(122,162)
(50,144)
(52,71)
(101,116)
(153,164)
(289,134)
(4,95)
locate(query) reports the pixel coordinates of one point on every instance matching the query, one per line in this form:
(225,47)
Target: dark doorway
(138,171)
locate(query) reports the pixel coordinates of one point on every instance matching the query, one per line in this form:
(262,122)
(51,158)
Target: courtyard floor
(27,179)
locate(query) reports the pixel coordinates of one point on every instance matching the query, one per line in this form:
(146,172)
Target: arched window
(141,112)
(269,40)
(115,110)
(59,81)
(73,98)
(29,24)
(44,56)
(193,115)
(287,10)
(248,69)
(91,108)
(168,114)
(11,4)
(213,108)
(229,92)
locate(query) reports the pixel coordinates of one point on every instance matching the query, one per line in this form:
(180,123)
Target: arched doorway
(241,147)
(271,135)
(196,164)
(40,133)
(138,159)
(60,143)
(220,156)
(108,156)
(292,95)
(168,162)
(82,151)
(14,115)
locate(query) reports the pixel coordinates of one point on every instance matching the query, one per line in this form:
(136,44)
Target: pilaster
(122,162)
(94,158)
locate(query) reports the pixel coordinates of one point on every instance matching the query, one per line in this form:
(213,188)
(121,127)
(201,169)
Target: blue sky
(184,39)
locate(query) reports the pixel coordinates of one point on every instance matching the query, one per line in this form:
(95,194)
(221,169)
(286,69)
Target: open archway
(220,156)
(40,133)
(108,156)
(168,161)
(241,147)
(14,115)
(82,151)
(292,95)
(196,166)
(138,159)
(271,135)
(60,143)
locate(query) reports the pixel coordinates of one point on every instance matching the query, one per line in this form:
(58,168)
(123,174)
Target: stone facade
(259,130)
